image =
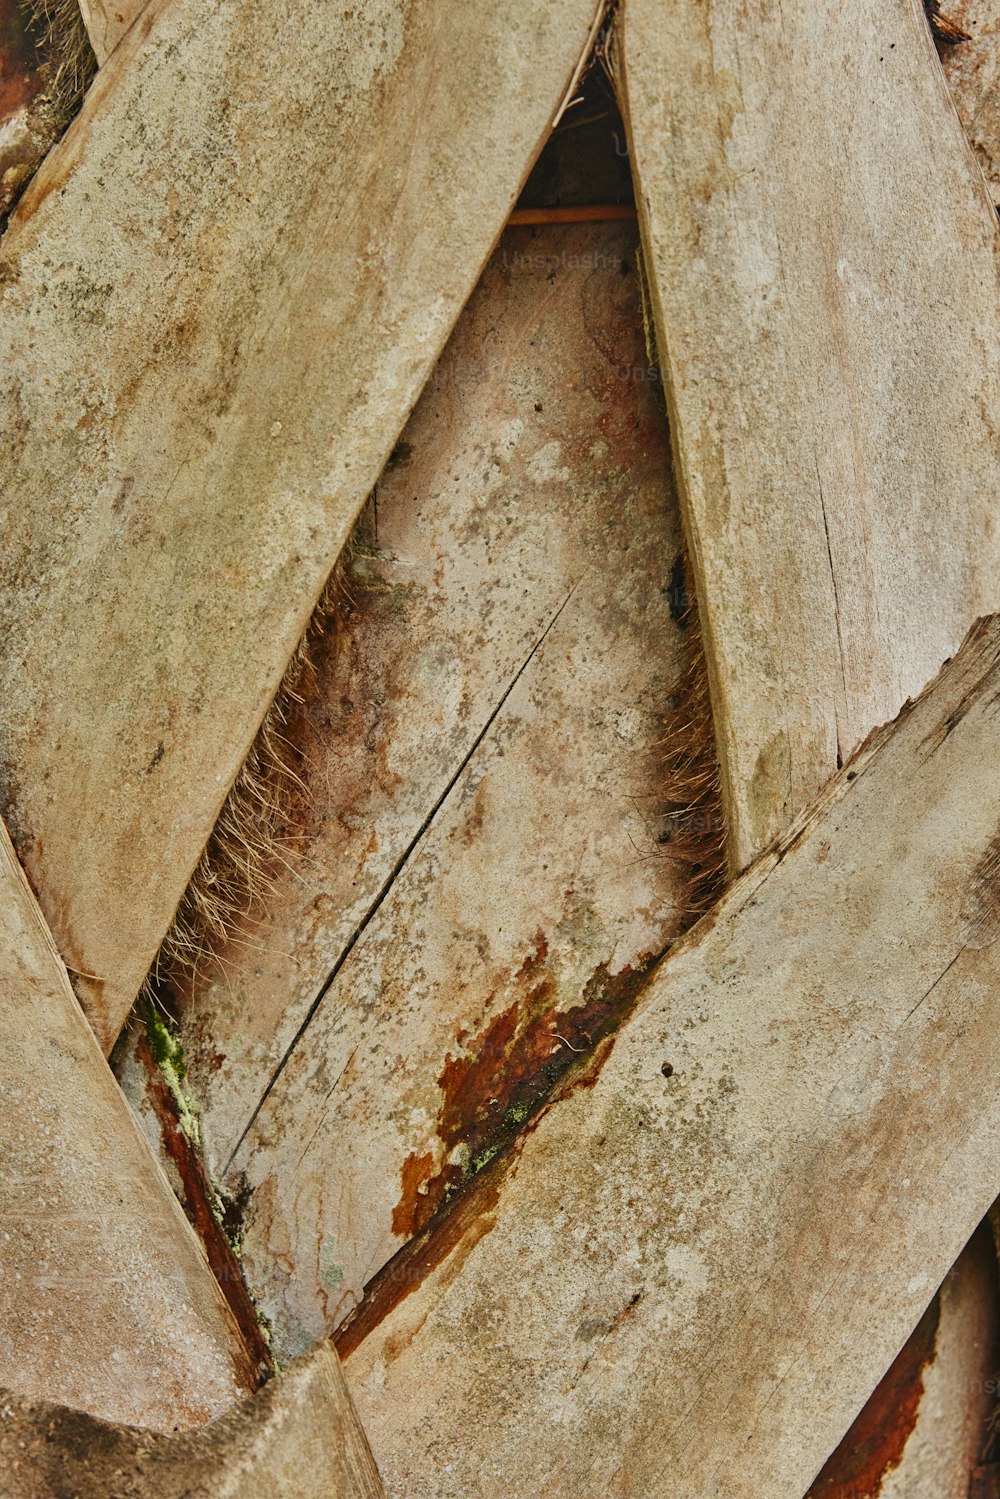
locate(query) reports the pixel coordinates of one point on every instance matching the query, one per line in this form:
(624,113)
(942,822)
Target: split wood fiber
(106,1301)
(220,298)
(698,1267)
(822,261)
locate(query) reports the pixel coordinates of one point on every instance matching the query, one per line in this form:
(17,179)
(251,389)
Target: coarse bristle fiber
(254,830)
(695,826)
(695,829)
(69,62)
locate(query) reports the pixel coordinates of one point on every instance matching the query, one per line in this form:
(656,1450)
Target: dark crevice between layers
(46,65)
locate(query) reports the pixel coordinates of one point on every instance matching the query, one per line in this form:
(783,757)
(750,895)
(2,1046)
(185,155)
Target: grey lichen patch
(331,1271)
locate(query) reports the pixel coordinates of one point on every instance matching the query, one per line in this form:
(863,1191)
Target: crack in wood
(394,874)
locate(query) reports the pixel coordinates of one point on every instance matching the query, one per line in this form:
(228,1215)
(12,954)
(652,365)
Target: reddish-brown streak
(874,1445)
(506,1074)
(516,1064)
(196,1200)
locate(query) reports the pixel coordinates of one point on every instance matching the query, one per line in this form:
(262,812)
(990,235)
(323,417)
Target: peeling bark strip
(220,298)
(877,1440)
(489,876)
(106,1302)
(823,263)
(204,1212)
(299,1438)
(692,1282)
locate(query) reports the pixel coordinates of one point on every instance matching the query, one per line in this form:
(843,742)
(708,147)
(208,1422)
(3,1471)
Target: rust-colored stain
(417,1172)
(501,1080)
(196,1201)
(875,1443)
(20,61)
(454,1233)
(526,1058)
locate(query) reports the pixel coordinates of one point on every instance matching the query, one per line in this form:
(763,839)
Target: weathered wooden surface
(106,1302)
(829,336)
(220,298)
(922,1433)
(107,21)
(298,1438)
(808,599)
(972,69)
(959,1385)
(537,428)
(485,875)
(675,1287)
(831,643)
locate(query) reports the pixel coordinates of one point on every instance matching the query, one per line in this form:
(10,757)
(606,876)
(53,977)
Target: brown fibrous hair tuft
(253,834)
(69,62)
(694,825)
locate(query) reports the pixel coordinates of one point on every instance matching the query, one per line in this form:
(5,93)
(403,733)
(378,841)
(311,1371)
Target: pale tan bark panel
(220,298)
(687,1285)
(823,262)
(802,341)
(106,1301)
(539,427)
